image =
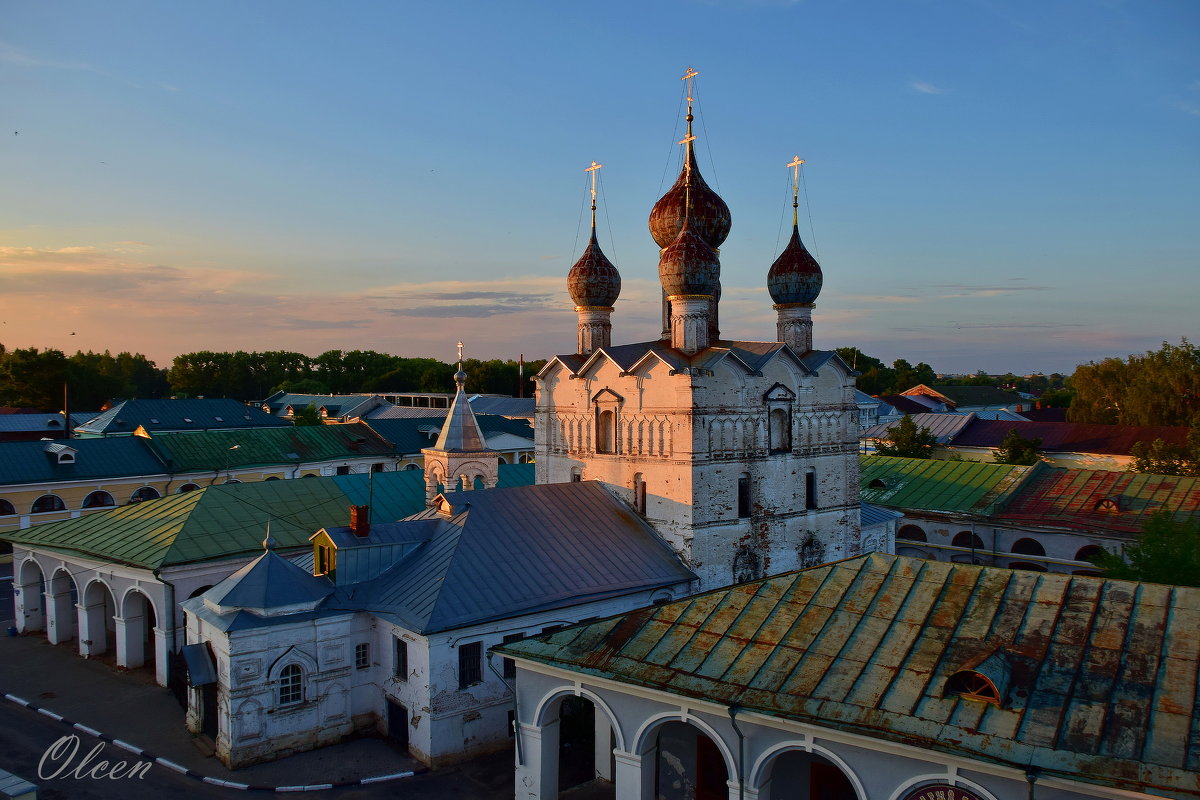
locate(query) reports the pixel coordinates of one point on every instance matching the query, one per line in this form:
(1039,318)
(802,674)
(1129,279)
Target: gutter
(741,752)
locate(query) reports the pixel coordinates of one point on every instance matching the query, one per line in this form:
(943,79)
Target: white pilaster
(60,619)
(537,778)
(635,775)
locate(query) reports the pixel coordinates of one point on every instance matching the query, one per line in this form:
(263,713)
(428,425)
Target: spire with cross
(794,166)
(593,169)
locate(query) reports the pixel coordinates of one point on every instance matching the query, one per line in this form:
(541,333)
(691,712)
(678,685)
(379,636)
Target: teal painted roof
(230,520)
(926,484)
(1100,675)
(179,415)
(412,434)
(30,462)
(223,450)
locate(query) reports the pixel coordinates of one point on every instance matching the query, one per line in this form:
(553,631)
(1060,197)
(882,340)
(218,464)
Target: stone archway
(62,597)
(685,761)
(571,743)
(29,596)
(97,620)
(135,629)
(802,773)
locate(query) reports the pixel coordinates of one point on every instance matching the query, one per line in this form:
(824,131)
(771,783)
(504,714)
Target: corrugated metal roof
(335,404)
(876,515)
(927,484)
(1070,498)
(969,395)
(269,582)
(223,450)
(512,551)
(504,406)
(230,520)
(1102,673)
(945,427)
(176,415)
(28,462)
(1069,437)
(412,434)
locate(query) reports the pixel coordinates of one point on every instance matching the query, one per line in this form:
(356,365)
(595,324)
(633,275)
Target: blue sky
(992,185)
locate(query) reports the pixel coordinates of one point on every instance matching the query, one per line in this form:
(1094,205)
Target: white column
(60,620)
(603,746)
(537,779)
(635,775)
(93,639)
(130,647)
(27,607)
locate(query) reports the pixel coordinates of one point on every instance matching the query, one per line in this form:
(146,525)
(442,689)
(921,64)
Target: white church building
(683,463)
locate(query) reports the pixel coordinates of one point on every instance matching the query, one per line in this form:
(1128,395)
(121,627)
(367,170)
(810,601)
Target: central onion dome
(708,215)
(795,277)
(689,265)
(594,281)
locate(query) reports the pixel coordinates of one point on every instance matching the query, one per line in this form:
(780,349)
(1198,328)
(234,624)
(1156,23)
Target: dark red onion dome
(709,216)
(689,265)
(795,277)
(594,281)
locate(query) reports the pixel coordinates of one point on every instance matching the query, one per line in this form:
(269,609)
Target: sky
(989,185)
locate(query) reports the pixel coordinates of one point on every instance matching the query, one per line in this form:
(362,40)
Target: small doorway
(208,725)
(397,724)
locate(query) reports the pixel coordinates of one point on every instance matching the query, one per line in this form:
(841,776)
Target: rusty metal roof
(1075,499)
(1069,437)
(1101,674)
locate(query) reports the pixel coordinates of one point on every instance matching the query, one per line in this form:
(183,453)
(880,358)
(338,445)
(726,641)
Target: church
(665,467)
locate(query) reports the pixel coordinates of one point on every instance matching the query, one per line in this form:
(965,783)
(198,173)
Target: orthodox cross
(794,164)
(460,347)
(594,168)
(689,76)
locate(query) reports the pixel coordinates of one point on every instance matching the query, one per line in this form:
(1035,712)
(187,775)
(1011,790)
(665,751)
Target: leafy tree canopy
(309,415)
(1159,388)
(906,440)
(1016,449)
(35,378)
(1166,551)
(1160,458)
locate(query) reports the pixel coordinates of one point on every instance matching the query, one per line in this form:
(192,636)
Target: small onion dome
(795,277)
(689,265)
(708,216)
(593,281)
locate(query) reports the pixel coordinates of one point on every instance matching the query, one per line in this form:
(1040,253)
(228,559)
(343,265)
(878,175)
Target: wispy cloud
(20,58)
(924,87)
(1187,107)
(946,291)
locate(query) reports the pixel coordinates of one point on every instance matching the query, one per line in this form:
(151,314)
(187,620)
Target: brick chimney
(360,524)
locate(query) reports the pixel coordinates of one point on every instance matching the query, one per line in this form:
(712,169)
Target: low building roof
(969,395)
(1069,437)
(1090,499)
(413,434)
(904,405)
(288,445)
(928,484)
(504,406)
(31,461)
(178,415)
(944,427)
(1101,674)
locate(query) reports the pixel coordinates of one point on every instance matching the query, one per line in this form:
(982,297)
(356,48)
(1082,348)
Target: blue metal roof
(179,415)
(31,462)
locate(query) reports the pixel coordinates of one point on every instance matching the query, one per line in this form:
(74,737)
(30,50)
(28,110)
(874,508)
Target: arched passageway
(61,599)
(688,765)
(28,598)
(97,620)
(801,775)
(135,629)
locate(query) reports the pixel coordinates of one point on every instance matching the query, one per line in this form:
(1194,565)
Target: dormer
(987,682)
(1109,505)
(61,453)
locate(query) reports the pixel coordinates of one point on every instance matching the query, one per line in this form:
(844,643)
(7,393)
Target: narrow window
(378,467)
(400,661)
(510,666)
(639,494)
(780,431)
(606,432)
(362,655)
(576,475)
(743,496)
(810,489)
(470,670)
(343,470)
(291,685)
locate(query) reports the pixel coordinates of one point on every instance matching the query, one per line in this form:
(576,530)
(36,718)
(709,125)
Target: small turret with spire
(594,285)
(794,280)
(461,451)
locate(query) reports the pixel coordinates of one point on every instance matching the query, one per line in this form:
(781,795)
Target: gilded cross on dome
(594,168)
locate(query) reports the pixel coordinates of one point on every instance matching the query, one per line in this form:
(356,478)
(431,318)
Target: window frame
(362,655)
(400,658)
(470,664)
(291,686)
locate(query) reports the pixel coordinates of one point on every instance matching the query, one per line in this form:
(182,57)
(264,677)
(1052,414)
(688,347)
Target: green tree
(309,415)
(33,378)
(906,440)
(1166,551)
(1160,458)
(1016,449)
(1159,388)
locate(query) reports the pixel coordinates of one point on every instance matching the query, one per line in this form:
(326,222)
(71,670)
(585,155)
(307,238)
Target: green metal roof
(1098,677)
(230,520)
(222,450)
(925,484)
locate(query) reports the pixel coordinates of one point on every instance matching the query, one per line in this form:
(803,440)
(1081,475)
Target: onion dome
(689,265)
(594,281)
(795,277)
(708,215)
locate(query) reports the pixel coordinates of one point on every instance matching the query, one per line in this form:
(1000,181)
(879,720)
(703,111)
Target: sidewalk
(131,707)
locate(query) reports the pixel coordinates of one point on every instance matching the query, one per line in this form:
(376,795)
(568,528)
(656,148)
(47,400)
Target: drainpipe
(1031,775)
(516,713)
(741,752)
(169,613)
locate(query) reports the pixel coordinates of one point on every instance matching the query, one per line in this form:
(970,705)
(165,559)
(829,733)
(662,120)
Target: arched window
(1088,552)
(232,480)
(272,478)
(6,508)
(912,533)
(1028,567)
(98,500)
(527,458)
(411,466)
(46,503)
(967,539)
(291,685)
(1028,547)
(810,489)
(606,432)
(743,495)
(780,430)
(971,685)
(191,487)
(877,483)
(144,493)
